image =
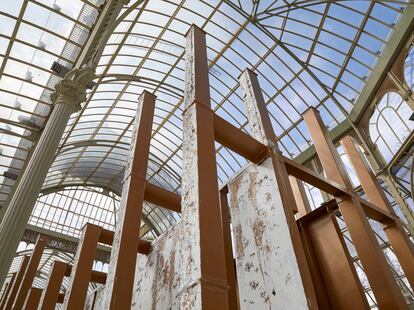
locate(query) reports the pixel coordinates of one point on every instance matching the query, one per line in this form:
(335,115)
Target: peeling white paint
(267,269)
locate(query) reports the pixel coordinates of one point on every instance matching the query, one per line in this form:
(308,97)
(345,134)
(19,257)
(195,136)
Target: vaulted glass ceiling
(306,53)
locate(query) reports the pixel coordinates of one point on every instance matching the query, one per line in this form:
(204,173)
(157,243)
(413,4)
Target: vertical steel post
(33,298)
(228,251)
(17,282)
(121,272)
(262,130)
(82,268)
(384,286)
(200,199)
(30,272)
(401,244)
(302,202)
(333,263)
(50,294)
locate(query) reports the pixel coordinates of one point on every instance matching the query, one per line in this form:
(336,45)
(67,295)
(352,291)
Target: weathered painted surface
(162,278)
(267,269)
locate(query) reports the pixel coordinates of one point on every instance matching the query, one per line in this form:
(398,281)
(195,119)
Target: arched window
(389,125)
(409,69)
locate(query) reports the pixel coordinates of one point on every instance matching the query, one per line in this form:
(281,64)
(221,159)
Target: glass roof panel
(306,53)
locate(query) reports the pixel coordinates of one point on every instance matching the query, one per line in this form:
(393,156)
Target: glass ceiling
(306,53)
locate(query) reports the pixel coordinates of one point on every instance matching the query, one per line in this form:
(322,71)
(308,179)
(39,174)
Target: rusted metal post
(401,244)
(206,269)
(341,285)
(82,268)
(262,131)
(302,202)
(33,298)
(16,283)
(384,286)
(228,251)
(54,282)
(30,272)
(6,290)
(119,286)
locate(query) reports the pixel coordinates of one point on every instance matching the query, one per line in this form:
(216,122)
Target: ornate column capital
(71,90)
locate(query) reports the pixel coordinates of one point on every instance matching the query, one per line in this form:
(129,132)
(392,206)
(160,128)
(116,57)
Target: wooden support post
(228,251)
(401,244)
(384,286)
(206,269)
(7,290)
(33,298)
(332,264)
(82,269)
(16,284)
(54,282)
(30,272)
(262,130)
(118,289)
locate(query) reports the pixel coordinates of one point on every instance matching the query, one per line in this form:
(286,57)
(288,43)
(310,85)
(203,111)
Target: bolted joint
(71,90)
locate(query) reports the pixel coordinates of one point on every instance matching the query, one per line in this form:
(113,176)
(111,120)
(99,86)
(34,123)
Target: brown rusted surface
(33,299)
(51,291)
(238,141)
(334,263)
(302,202)
(384,286)
(119,286)
(228,250)
(399,240)
(30,272)
(16,284)
(200,198)
(82,268)
(162,197)
(107,237)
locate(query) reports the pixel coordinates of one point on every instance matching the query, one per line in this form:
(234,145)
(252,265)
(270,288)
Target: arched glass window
(409,69)
(389,125)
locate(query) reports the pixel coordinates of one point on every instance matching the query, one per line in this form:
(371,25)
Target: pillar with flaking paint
(272,270)
(120,281)
(204,272)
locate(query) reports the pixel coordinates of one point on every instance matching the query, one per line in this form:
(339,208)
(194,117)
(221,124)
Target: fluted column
(68,95)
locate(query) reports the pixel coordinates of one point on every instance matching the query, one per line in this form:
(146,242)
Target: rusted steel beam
(228,251)
(107,237)
(30,272)
(162,197)
(16,284)
(262,130)
(120,282)
(7,290)
(33,298)
(311,177)
(302,206)
(50,294)
(82,269)
(238,141)
(380,277)
(201,204)
(401,244)
(334,265)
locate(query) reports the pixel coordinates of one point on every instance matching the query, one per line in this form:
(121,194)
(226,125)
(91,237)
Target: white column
(271,267)
(68,95)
